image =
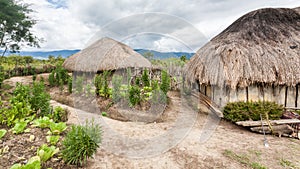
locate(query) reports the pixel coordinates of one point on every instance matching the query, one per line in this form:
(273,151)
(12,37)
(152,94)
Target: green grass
(244,159)
(286,163)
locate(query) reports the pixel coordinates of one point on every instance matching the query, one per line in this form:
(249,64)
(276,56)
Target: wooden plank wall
(286,96)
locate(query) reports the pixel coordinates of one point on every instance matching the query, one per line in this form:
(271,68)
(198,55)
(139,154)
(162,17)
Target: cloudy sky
(163,25)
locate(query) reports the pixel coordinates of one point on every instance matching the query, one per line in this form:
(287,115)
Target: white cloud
(69,24)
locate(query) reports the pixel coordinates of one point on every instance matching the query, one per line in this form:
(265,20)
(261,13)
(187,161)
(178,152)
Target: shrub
(51,79)
(165,82)
(242,111)
(70,85)
(2,76)
(19,106)
(59,114)
(134,95)
(40,99)
(106,92)
(80,143)
(145,78)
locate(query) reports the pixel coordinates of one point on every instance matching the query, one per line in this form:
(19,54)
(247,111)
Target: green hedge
(242,111)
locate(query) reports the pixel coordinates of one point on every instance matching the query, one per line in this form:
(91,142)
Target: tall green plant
(40,99)
(81,143)
(165,82)
(134,95)
(145,78)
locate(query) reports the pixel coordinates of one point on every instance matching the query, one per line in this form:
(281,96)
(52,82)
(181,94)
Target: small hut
(105,54)
(255,58)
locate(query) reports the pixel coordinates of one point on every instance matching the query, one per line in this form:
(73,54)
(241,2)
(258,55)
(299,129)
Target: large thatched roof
(261,46)
(105,54)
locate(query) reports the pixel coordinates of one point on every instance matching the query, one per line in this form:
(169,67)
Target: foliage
(2,77)
(59,114)
(58,77)
(33,163)
(134,95)
(52,139)
(145,78)
(70,85)
(34,77)
(15,26)
(242,111)
(148,55)
(40,99)
(57,128)
(103,114)
(51,79)
(19,126)
(183,58)
(137,81)
(80,143)
(19,105)
(116,88)
(2,133)
(42,122)
(45,152)
(165,82)
(106,92)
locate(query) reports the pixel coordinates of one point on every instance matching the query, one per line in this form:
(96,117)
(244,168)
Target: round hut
(255,58)
(105,54)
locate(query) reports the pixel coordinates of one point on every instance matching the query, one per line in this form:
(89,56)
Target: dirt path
(228,147)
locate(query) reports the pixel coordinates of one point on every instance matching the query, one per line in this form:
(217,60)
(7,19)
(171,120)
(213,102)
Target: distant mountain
(164,55)
(46,54)
(67,53)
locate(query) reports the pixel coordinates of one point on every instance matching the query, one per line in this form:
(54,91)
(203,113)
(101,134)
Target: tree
(148,55)
(183,58)
(15,25)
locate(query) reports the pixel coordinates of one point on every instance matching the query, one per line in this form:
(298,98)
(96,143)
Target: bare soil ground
(229,146)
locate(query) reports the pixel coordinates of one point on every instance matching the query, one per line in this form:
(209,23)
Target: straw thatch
(105,54)
(262,46)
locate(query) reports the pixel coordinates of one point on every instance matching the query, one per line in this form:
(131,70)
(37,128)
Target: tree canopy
(15,25)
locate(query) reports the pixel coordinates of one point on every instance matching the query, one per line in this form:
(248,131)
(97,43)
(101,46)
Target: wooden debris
(265,123)
(280,130)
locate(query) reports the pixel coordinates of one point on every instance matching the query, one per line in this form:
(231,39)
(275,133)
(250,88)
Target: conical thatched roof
(105,54)
(261,46)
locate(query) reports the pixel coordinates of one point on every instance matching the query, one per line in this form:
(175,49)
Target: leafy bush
(134,95)
(40,99)
(51,79)
(59,114)
(242,111)
(70,85)
(2,76)
(19,106)
(165,82)
(45,152)
(145,78)
(80,143)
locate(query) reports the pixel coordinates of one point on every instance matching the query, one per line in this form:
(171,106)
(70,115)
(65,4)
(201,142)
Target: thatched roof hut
(105,54)
(261,47)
